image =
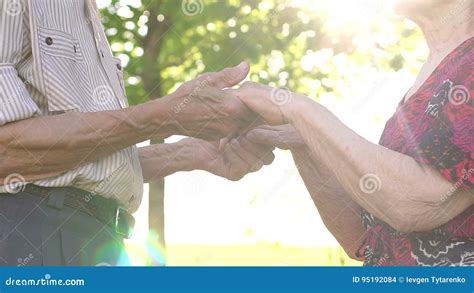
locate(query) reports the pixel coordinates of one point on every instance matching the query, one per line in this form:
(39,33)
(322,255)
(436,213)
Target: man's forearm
(46,146)
(43,146)
(339,212)
(164,159)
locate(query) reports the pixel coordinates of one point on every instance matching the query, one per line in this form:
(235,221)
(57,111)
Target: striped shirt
(55,58)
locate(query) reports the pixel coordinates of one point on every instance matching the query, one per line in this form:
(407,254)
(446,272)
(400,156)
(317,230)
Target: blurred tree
(163,43)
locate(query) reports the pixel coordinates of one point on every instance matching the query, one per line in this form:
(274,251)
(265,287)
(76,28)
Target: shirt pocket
(66,78)
(120,76)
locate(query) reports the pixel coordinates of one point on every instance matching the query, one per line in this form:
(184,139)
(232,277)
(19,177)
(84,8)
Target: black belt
(106,210)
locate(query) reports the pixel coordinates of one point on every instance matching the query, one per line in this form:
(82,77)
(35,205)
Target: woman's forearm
(403,194)
(339,212)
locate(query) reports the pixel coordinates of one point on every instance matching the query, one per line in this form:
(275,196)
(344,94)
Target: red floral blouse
(436,128)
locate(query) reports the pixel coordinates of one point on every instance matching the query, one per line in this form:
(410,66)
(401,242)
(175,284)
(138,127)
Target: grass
(244,255)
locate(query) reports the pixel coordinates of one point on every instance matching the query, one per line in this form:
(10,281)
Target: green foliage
(287,45)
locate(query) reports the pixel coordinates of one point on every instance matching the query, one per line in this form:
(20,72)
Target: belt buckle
(124,223)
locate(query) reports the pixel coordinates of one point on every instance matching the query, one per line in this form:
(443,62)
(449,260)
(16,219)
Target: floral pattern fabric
(436,128)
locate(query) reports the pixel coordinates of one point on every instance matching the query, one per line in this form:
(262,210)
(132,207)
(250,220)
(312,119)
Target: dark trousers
(36,231)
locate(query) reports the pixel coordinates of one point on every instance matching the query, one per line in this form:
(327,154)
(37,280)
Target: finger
(270,136)
(268,158)
(258,150)
(263,136)
(251,159)
(227,77)
(237,166)
(262,154)
(250,87)
(259,99)
(256,155)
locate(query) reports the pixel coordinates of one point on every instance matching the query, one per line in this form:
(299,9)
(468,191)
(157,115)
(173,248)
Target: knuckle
(220,78)
(232,108)
(207,75)
(229,76)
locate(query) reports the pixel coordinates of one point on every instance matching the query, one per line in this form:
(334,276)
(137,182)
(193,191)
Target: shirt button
(49,41)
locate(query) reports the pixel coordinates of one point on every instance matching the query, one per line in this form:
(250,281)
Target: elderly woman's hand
(272,104)
(284,137)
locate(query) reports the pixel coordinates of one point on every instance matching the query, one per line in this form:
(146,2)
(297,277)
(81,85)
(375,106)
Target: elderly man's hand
(233,161)
(200,108)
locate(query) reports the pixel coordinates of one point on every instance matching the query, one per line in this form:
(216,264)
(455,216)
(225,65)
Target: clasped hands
(234,131)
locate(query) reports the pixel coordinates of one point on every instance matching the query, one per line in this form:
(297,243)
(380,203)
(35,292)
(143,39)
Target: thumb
(229,76)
